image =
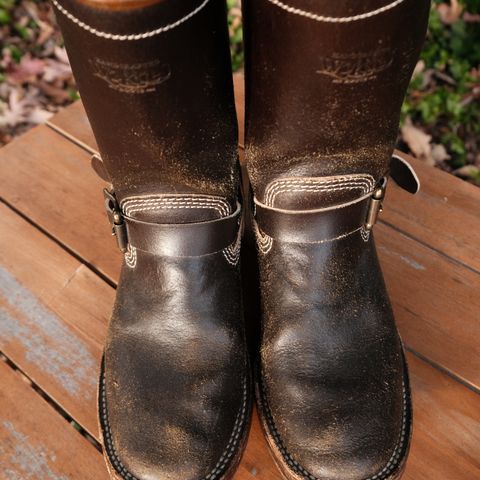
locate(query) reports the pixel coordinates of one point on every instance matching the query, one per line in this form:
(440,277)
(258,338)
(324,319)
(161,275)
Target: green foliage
(5,7)
(443,97)
(236,34)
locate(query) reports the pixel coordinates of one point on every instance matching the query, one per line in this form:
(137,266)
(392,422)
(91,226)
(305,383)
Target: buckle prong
(115,217)
(375,206)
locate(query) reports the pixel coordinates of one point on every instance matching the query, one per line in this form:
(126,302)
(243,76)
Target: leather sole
(291,470)
(233,460)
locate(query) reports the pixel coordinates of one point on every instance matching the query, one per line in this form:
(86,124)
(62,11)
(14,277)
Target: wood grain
(445,214)
(435,296)
(446,438)
(53,316)
(54,309)
(36,442)
(436,303)
(73,122)
(50,181)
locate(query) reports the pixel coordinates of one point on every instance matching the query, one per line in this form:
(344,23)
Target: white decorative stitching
(232,252)
(362,182)
(138,36)
(365,234)
(264,242)
(131,256)
(327,19)
(144,203)
(170,201)
(365,183)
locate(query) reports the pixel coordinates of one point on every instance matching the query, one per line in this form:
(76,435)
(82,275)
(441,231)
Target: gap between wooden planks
(36,442)
(445,213)
(438,301)
(59,338)
(79,282)
(434,296)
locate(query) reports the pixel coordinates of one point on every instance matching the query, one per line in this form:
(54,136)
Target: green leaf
(4,17)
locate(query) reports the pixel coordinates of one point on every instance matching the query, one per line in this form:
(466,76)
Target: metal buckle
(376,204)
(115,217)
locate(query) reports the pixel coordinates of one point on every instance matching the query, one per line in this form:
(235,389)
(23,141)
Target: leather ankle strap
(338,221)
(169,239)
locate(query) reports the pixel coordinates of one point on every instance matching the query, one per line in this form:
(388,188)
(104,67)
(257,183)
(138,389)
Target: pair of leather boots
(324,86)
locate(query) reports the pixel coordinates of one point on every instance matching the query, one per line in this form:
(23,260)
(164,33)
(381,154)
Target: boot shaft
(325,82)
(156,84)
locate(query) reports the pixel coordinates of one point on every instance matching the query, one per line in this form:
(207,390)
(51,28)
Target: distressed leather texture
(161,108)
(322,110)
(175,393)
(176,372)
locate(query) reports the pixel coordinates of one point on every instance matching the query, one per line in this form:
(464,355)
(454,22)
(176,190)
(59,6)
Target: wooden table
(59,266)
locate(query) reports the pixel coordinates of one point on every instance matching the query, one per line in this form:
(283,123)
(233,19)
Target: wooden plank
(53,316)
(446,438)
(36,442)
(73,122)
(444,410)
(239,88)
(50,181)
(444,215)
(436,303)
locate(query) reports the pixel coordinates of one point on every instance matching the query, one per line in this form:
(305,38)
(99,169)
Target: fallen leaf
(419,68)
(14,112)
(22,108)
(38,116)
(450,13)
(439,153)
(471,17)
(46,30)
(57,94)
(418,142)
(467,171)
(61,55)
(26,71)
(56,71)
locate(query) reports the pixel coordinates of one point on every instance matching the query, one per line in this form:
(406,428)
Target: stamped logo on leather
(355,67)
(131,78)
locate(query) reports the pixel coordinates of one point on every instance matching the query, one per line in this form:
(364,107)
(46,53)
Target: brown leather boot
(324,85)
(155,80)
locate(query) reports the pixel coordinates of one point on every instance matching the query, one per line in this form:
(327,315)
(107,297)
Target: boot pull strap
(171,239)
(337,221)
(403,173)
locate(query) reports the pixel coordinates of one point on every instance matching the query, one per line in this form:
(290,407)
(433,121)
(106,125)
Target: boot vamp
(176,366)
(331,358)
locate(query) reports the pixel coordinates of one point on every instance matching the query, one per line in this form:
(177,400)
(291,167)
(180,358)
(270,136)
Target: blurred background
(440,121)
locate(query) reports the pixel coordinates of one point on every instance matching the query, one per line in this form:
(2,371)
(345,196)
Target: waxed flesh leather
(322,105)
(175,396)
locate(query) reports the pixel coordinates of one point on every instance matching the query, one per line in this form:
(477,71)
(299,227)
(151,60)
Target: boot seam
(365,183)
(329,19)
(132,205)
(128,37)
(138,204)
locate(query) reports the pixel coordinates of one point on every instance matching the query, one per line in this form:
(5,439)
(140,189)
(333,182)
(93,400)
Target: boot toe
(177,449)
(338,443)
